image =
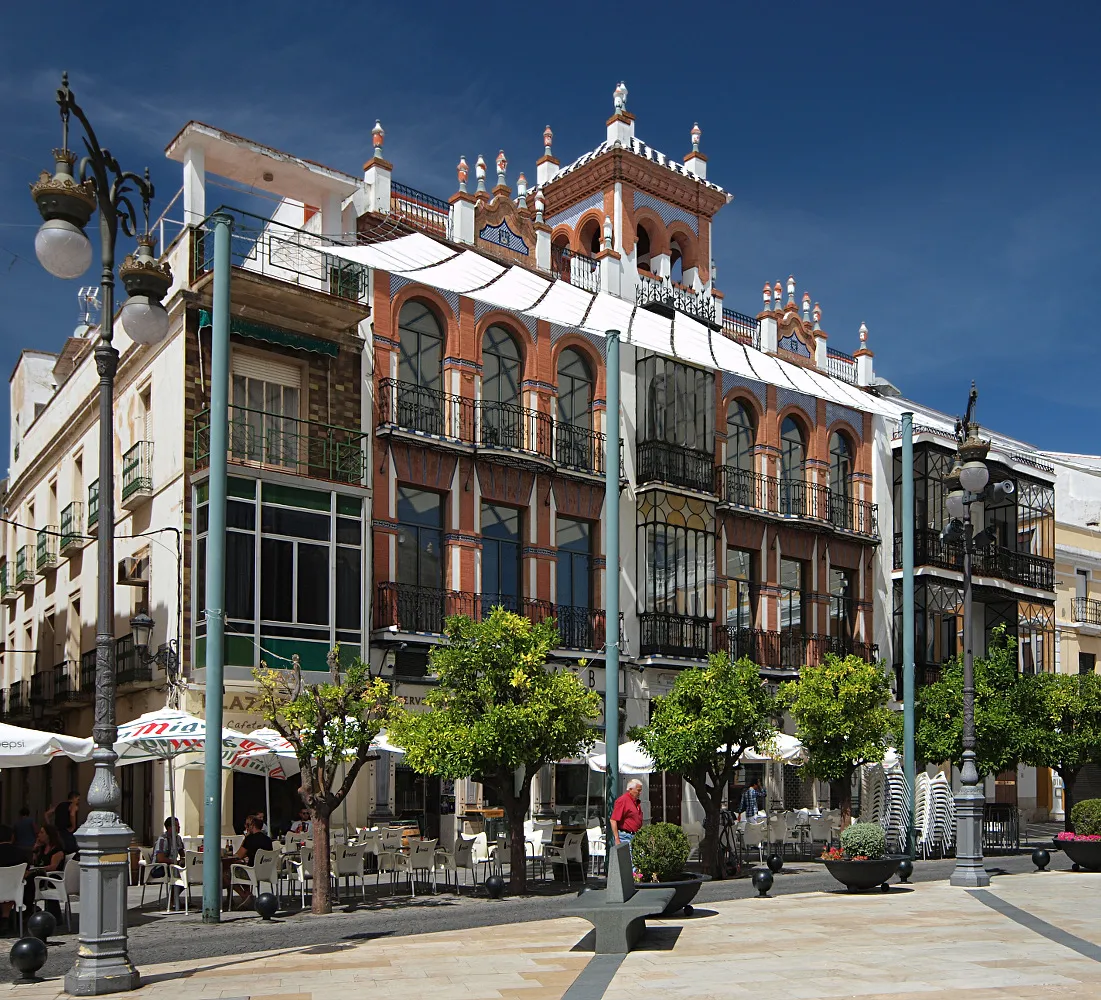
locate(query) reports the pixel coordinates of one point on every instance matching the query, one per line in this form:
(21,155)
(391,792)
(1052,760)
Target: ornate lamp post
(966,486)
(67,202)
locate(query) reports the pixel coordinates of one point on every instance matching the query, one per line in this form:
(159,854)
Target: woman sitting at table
(47,856)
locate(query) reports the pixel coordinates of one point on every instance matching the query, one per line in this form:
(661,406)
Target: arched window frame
(418,319)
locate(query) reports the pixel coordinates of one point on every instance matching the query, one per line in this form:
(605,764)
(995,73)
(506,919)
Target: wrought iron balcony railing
(42,688)
(137,472)
(67,688)
(46,548)
(93,507)
(415,408)
(744,329)
(576,268)
(287,444)
(841,365)
(24,567)
(1086,610)
(422,211)
(994,561)
(579,448)
(425,609)
(788,649)
(662,634)
(72,526)
(666,297)
(8,592)
(662,462)
(514,428)
(797,498)
(19,701)
(88,672)
(130,667)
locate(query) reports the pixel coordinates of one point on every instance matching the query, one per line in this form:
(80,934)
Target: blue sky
(930,169)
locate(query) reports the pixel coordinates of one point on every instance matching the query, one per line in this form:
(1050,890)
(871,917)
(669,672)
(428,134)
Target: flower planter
(1084,853)
(859,875)
(686,888)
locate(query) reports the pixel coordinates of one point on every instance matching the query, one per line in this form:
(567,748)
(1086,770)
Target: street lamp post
(67,202)
(966,485)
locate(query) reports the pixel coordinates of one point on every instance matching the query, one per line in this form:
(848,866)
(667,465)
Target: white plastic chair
(11,889)
(485,855)
(191,874)
(348,865)
(460,859)
(301,872)
(598,849)
(61,887)
(421,858)
(164,875)
(756,835)
(821,830)
(570,851)
(264,869)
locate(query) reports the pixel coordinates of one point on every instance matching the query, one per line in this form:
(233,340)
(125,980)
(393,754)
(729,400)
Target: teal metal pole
(909,762)
(611,576)
(216,572)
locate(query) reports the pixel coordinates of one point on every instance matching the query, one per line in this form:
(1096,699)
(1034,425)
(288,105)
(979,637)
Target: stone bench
(618,914)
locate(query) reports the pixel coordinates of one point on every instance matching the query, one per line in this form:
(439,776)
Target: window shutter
(267,369)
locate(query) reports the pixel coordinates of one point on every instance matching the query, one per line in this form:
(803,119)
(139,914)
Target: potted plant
(1083,846)
(659,853)
(861,862)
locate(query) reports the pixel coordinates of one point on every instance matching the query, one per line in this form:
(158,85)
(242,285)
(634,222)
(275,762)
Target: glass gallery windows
(294,573)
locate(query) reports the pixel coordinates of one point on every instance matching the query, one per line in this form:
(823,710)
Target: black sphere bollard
(41,924)
(495,886)
(905,870)
(1041,859)
(27,956)
(775,863)
(762,882)
(267,905)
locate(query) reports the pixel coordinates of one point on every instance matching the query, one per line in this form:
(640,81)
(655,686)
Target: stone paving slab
(925,942)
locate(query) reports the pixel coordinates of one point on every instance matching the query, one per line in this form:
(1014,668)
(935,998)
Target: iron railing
(302,447)
(46,548)
(42,688)
(1087,611)
(666,297)
(579,448)
(742,328)
(788,649)
(24,566)
(264,246)
(67,686)
(663,462)
(72,527)
(19,702)
(93,506)
(411,608)
(130,666)
(662,634)
(6,589)
(576,268)
(797,498)
(991,560)
(425,411)
(841,365)
(137,470)
(420,210)
(88,672)
(514,428)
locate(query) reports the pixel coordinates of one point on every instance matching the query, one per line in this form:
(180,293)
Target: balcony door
(574,437)
(419,594)
(793,476)
(842,610)
(419,402)
(792,613)
(502,426)
(500,557)
(574,574)
(264,419)
(740,437)
(841,471)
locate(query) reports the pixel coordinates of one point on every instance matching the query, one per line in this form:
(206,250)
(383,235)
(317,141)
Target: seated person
(302,824)
(255,840)
(48,856)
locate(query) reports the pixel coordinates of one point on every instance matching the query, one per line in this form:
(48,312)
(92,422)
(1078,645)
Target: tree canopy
(498,714)
(331,726)
(841,716)
(700,730)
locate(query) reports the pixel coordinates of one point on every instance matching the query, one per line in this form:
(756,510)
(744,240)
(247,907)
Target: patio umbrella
(786,749)
(279,759)
(632,760)
(31,748)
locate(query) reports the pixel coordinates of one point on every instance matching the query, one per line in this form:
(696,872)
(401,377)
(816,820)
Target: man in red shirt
(627,813)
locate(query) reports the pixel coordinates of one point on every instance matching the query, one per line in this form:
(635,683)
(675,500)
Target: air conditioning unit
(134,570)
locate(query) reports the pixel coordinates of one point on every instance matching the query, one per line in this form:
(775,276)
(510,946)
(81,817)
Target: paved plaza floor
(1027,936)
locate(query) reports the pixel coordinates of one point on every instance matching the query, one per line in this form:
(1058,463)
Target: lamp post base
(103,964)
(969,872)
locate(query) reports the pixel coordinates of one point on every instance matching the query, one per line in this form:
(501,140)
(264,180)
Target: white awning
(466,272)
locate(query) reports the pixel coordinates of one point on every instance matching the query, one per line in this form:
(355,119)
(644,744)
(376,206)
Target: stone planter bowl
(686,888)
(1083,853)
(860,875)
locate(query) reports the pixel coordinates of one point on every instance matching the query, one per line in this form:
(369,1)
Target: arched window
(642,248)
(502,425)
(418,397)
(793,485)
(740,435)
(591,236)
(575,445)
(841,464)
(420,358)
(676,260)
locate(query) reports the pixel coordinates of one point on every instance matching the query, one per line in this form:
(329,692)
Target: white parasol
(30,747)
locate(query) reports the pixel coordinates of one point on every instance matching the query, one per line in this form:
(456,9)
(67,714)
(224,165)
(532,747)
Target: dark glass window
(296,523)
(500,367)
(276,580)
(349,531)
(420,357)
(348,591)
(793,486)
(239,514)
(500,557)
(240,574)
(313,584)
(740,435)
(575,390)
(675,404)
(574,571)
(841,465)
(739,588)
(420,538)
(841,603)
(791,595)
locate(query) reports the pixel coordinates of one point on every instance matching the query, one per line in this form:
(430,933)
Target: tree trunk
(710,856)
(518,859)
(1069,778)
(843,792)
(322,902)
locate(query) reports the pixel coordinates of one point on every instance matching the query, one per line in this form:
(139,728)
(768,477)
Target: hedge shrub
(1085,817)
(865,840)
(660,852)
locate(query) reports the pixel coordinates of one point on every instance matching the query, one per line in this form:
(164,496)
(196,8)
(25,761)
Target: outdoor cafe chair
(821,830)
(60,887)
(348,865)
(533,850)
(11,889)
(162,875)
(598,849)
(421,858)
(485,856)
(191,874)
(300,872)
(264,869)
(459,859)
(756,835)
(570,851)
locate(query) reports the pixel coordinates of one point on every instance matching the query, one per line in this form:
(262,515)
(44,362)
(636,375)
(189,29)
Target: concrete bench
(618,913)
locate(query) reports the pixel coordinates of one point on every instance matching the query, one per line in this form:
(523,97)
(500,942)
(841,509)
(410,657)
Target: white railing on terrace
(841,365)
